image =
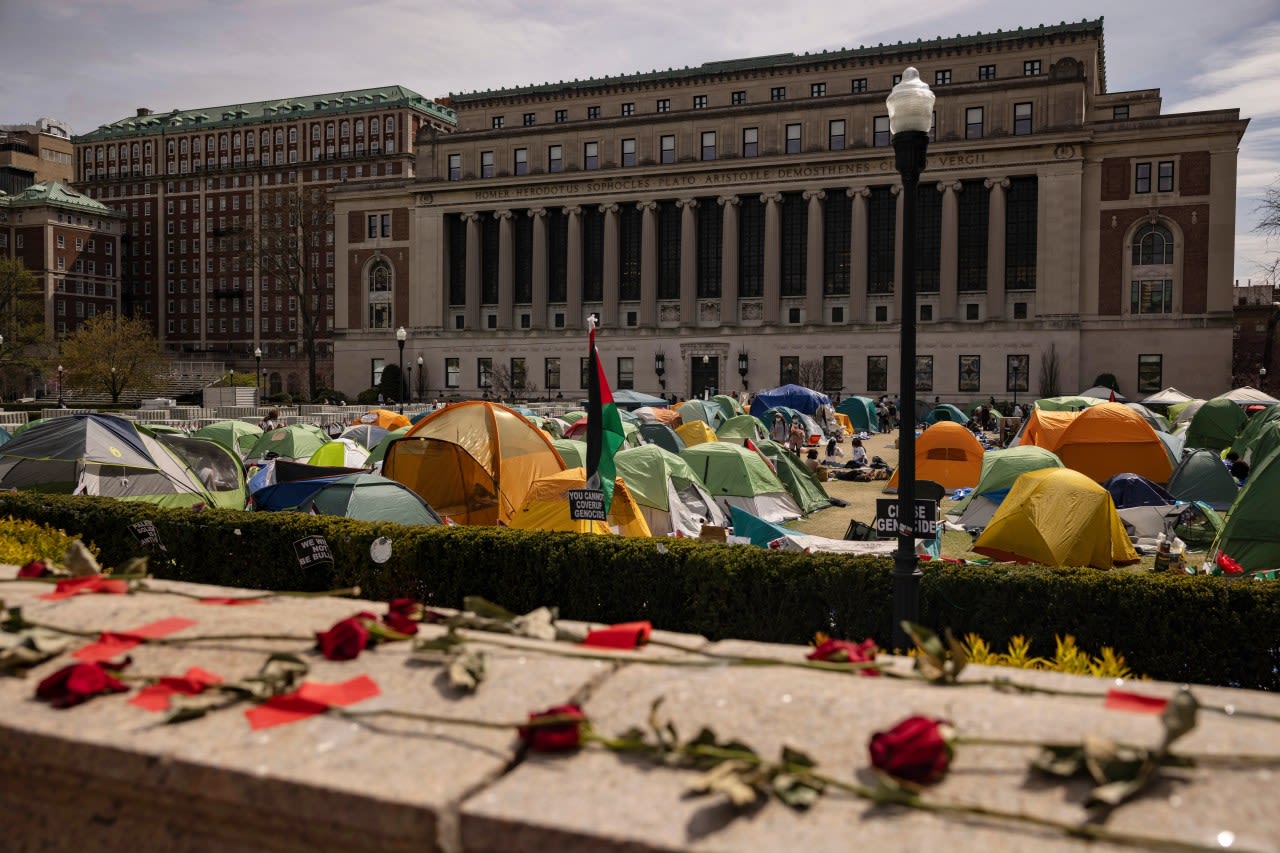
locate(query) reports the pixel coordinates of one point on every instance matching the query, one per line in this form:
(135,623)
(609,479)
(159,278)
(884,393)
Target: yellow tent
(696,432)
(473,462)
(546,507)
(1057,517)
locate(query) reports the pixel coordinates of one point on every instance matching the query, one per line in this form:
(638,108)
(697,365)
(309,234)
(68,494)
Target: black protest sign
(312,551)
(587,505)
(147,535)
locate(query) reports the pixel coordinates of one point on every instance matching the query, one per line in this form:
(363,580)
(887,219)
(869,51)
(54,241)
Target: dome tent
(546,507)
(1215,425)
(948,454)
(1000,469)
(669,494)
(738,476)
(1201,476)
(803,400)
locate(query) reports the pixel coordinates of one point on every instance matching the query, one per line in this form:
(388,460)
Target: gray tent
(1201,476)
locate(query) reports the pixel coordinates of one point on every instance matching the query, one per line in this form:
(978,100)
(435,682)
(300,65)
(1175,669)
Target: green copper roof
(791,60)
(52,193)
(264,111)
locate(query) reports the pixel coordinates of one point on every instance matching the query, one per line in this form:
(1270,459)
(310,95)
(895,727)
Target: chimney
(143,111)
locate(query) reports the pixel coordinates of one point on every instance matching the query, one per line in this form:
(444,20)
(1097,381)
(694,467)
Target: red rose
(79,682)
(346,639)
(555,737)
(37,568)
(916,751)
(400,623)
(406,607)
(844,651)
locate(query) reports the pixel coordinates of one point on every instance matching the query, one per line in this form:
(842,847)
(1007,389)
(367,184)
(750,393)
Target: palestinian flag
(604,426)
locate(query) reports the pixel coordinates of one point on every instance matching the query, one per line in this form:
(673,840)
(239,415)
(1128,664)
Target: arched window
(345,129)
(279,136)
(359,127)
(391,125)
(135,150)
(1154,276)
(379,295)
(146,149)
(266,137)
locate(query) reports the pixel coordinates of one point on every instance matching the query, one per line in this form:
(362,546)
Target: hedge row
(1173,627)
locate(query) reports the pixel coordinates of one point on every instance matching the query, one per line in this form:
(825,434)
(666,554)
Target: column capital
(992,183)
(729,201)
(609,207)
(572,210)
(770,197)
(502,214)
(469,216)
(536,212)
(686,202)
(858,192)
(648,204)
(952,186)
(812,194)
(896,189)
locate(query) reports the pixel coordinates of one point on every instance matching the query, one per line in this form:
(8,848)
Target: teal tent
(946,412)
(369,497)
(861,412)
(1201,476)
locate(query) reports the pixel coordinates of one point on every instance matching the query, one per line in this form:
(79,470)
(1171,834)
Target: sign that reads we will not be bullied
(926,520)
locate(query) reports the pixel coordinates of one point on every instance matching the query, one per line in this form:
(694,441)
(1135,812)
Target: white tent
(1247,394)
(1167,397)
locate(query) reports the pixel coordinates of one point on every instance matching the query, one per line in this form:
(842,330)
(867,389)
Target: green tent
(369,497)
(1158,422)
(379,450)
(702,410)
(1251,536)
(1068,404)
(219,469)
(736,476)
(1181,413)
(740,427)
(1216,425)
(296,442)
(1267,440)
(729,405)
(795,475)
(663,436)
(1001,467)
(572,451)
(1201,476)
(946,412)
(1243,445)
(236,436)
(668,492)
(862,413)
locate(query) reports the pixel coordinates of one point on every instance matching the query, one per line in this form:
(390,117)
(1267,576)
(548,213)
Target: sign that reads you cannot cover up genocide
(587,505)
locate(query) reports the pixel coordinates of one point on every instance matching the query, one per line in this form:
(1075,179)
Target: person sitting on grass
(857,454)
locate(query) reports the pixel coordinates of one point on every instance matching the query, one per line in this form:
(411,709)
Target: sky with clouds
(89,62)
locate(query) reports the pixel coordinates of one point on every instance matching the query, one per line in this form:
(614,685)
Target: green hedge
(1172,627)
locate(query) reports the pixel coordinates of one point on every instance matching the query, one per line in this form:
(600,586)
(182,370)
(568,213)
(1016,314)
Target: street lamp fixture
(61,405)
(910,117)
(257,369)
(401,337)
(743,366)
(422,379)
(660,368)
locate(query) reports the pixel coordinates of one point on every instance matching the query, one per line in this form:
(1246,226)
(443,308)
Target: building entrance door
(705,375)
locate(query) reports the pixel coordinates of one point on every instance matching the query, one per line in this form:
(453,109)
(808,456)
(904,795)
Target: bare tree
(1049,367)
(810,374)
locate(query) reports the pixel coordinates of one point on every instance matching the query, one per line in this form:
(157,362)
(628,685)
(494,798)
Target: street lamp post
(660,368)
(910,117)
(422,380)
(257,370)
(61,405)
(743,365)
(401,336)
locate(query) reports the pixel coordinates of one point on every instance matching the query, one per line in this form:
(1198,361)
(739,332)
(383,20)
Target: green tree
(114,353)
(26,344)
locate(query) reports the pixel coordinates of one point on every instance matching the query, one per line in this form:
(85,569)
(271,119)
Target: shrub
(22,541)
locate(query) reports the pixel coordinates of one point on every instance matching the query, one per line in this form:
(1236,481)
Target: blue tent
(796,397)
(1128,490)
(286,496)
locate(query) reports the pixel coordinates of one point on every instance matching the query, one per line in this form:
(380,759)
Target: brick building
(200,188)
(34,153)
(734,224)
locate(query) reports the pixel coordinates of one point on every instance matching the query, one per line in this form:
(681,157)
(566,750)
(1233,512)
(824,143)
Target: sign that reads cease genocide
(926,521)
(587,505)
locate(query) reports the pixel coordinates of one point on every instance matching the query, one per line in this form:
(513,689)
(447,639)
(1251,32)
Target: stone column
(506,269)
(648,263)
(539,318)
(995,248)
(858,255)
(899,308)
(609,313)
(472,308)
(813,282)
(728,261)
(772,257)
(688,261)
(573,270)
(949,268)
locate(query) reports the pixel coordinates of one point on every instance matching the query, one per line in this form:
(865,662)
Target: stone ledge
(108,775)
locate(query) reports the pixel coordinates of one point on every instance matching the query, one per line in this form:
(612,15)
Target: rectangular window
(385,224)
(926,312)
(973,123)
(897,78)
(551,373)
(1164,177)
(484,372)
(880,132)
(942,77)
(1018,373)
(373,225)
(924,373)
(593,112)
(1150,372)
(562,116)
(628,152)
(486,164)
(584,365)
(1031,68)
(970,373)
(832,373)
(1019,310)
(817,90)
(667,149)
(986,72)
(793,139)
(521,164)
(499,122)
(699,102)
(835,134)
(751,142)
(626,372)
(1120,112)
(1151,296)
(859,85)
(789,370)
(663,105)
(530,119)
(738,98)
(591,155)
(452,372)
(1022,119)
(778,93)
(708,145)
(877,373)
(629,109)
(1142,178)
(555,158)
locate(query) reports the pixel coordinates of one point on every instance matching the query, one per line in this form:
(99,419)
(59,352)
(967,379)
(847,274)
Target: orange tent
(1108,439)
(1044,426)
(473,462)
(384,418)
(948,454)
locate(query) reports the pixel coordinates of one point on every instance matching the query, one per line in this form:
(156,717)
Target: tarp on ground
(473,461)
(1057,517)
(862,412)
(737,476)
(946,412)
(1111,438)
(369,497)
(103,455)
(1201,476)
(742,426)
(546,507)
(795,475)
(1251,535)
(1216,425)
(1000,468)
(237,436)
(762,533)
(948,454)
(798,397)
(1130,490)
(671,497)
(696,432)
(663,436)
